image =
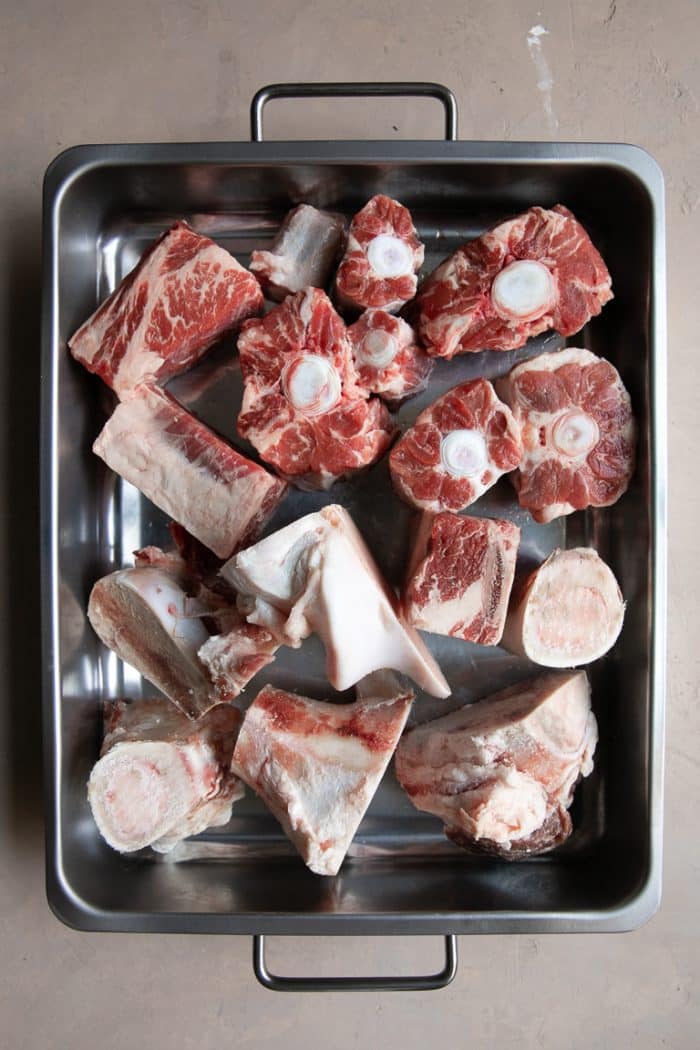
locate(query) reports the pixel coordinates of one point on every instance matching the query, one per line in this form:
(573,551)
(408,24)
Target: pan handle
(390,89)
(426,983)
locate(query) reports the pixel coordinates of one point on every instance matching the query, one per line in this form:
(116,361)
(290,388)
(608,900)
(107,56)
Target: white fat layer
(312,384)
(389,256)
(440,616)
(500,767)
(167,603)
(523,290)
(463,453)
(378,348)
(575,433)
(138,791)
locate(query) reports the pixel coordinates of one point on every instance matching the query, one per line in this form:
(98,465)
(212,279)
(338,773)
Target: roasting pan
(102,205)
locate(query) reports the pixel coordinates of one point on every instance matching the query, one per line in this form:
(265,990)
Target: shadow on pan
(20,706)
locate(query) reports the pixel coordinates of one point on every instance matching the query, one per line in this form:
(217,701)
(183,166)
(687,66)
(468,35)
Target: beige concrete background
(78,71)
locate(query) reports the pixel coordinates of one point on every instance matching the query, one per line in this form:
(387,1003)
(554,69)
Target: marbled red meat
(382,257)
(217,494)
(183,294)
(302,254)
(460,576)
(501,773)
(578,432)
(317,765)
(303,409)
(388,359)
(162,777)
(535,272)
(457,448)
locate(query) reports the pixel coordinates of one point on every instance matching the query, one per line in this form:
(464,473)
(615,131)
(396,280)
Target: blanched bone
(569,613)
(319,574)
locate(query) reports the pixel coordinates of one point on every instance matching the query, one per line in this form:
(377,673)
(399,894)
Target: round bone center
(524,290)
(378,348)
(389,256)
(575,433)
(463,453)
(312,384)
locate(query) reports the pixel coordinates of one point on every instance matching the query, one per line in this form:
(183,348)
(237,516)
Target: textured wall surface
(140,70)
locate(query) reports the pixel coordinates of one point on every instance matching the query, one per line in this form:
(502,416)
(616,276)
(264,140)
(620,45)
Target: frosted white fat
(463,453)
(389,256)
(312,384)
(524,290)
(514,808)
(575,433)
(378,348)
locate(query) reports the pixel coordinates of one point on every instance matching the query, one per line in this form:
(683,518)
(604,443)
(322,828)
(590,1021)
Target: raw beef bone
(217,494)
(387,357)
(318,576)
(317,765)
(303,409)
(460,576)
(523,277)
(569,611)
(302,254)
(161,777)
(383,254)
(457,448)
(183,294)
(577,429)
(141,614)
(156,617)
(501,773)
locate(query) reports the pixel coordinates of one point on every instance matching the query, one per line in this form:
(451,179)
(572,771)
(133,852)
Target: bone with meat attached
(303,408)
(183,294)
(317,765)
(460,576)
(318,576)
(383,254)
(537,271)
(458,447)
(162,777)
(178,463)
(387,357)
(302,254)
(501,773)
(156,617)
(578,432)
(569,611)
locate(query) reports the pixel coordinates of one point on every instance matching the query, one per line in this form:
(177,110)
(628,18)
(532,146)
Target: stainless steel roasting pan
(102,205)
